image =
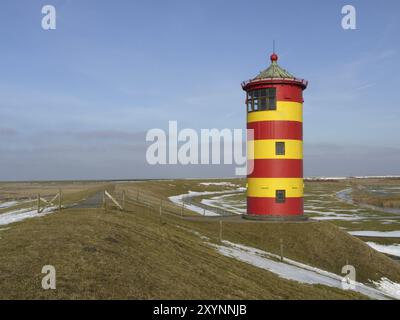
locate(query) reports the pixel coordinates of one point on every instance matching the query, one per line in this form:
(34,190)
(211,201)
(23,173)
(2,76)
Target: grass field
(139,254)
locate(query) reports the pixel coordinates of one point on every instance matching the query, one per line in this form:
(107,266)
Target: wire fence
(188,205)
(188,201)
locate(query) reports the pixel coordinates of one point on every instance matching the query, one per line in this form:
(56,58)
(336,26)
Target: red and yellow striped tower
(275,112)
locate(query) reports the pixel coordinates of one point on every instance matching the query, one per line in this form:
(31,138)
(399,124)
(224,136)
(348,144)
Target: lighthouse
(274,107)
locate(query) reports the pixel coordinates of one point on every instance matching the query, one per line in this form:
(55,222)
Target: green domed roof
(274,71)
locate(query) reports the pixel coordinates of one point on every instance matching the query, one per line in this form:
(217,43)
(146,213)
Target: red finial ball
(274,57)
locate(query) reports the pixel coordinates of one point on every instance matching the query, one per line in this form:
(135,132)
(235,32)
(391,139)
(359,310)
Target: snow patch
(336,218)
(8,204)
(22,214)
(179,199)
(221,203)
(300,272)
(392,249)
(290,269)
(377,234)
(391,288)
(331,215)
(228,184)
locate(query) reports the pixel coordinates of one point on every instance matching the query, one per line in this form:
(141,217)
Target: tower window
(279,148)
(280,196)
(249,106)
(261,100)
(255,104)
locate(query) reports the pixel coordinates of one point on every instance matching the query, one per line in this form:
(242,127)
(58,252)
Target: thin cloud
(110,134)
(7,132)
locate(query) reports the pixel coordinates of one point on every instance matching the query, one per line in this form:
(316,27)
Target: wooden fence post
(104,201)
(108,195)
(38,203)
(281,248)
(123,199)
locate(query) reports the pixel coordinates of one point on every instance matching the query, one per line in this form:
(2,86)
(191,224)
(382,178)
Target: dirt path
(94,201)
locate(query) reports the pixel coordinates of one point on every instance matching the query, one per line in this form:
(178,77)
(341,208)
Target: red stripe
(277,168)
(289,93)
(277,130)
(284,92)
(268,206)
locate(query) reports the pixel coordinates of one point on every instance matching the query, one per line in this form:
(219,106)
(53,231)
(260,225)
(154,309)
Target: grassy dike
(137,255)
(319,244)
(131,255)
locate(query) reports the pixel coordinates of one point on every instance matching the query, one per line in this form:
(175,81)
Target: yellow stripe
(285,110)
(265,149)
(266,187)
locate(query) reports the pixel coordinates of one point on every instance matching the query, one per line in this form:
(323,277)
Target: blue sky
(75,102)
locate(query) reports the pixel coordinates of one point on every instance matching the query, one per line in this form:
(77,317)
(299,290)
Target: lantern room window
(261,100)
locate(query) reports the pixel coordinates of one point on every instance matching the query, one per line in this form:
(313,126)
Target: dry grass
(118,255)
(320,244)
(362,194)
(106,255)
(27,190)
